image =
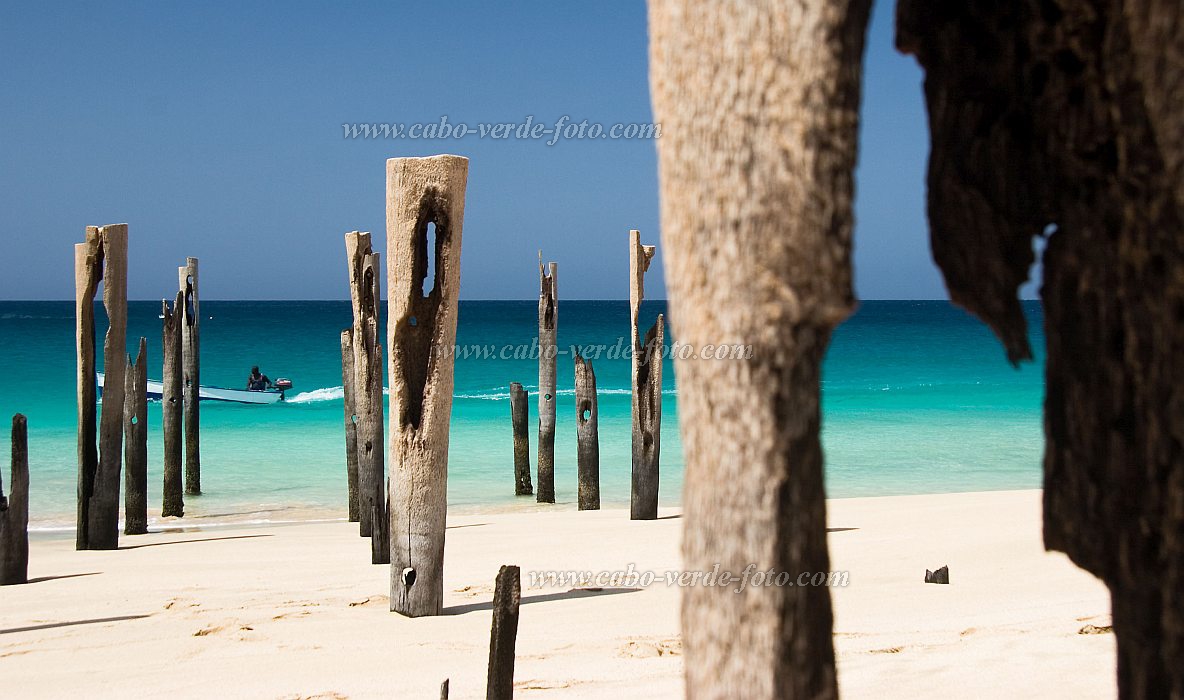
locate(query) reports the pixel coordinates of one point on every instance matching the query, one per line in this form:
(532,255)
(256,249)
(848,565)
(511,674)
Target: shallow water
(917,398)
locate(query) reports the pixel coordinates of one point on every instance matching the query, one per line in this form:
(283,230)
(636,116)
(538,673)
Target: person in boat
(257,381)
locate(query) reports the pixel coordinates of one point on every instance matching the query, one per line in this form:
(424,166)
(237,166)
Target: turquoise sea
(917,398)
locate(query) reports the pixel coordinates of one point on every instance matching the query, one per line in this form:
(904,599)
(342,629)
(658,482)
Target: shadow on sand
(545,598)
(52,625)
(206,539)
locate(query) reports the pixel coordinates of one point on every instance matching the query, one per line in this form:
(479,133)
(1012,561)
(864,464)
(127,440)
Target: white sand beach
(297,612)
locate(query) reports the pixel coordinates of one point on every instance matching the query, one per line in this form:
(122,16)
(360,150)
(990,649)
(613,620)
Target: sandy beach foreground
(296,611)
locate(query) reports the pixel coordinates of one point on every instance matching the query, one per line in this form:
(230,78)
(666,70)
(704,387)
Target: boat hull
(214,393)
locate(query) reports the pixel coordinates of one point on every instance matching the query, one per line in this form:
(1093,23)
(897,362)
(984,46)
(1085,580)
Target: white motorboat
(216,393)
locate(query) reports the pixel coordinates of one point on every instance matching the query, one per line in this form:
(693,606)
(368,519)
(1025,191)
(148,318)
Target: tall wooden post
(756,229)
(503,634)
(135,446)
(363,265)
(421,332)
(587,436)
(351,425)
(171,400)
(519,410)
(191,373)
(14,510)
(647,388)
(102,258)
(548,350)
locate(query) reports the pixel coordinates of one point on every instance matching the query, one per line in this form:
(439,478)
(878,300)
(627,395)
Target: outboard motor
(283,385)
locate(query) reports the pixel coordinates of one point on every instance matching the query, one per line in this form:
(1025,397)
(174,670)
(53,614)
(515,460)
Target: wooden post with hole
(519,418)
(503,634)
(135,444)
(171,399)
(647,388)
(191,373)
(14,510)
(351,426)
(587,436)
(548,350)
(101,258)
(421,333)
(367,389)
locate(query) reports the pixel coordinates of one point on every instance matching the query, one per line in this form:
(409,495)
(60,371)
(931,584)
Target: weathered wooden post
(503,634)
(102,258)
(14,510)
(1077,124)
(191,373)
(351,426)
(172,396)
(519,410)
(587,436)
(363,266)
(380,535)
(135,444)
(647,388)
(756,229)
(421,332)
(548,350)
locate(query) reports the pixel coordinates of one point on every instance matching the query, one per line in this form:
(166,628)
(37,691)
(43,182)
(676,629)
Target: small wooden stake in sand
(548,350)
(172,396)
(351,426)
(587,436)
(14,510)
(507,593)
(135,444)
(191,373)
(647,388)
(421,332)
(519,416)
(363,266)
(102,258)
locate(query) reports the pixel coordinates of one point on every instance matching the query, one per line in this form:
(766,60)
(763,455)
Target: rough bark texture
(351,426)
(14,510)
(191,373)
(364,277)
(135,444)
(102,258)
(172,396)
(503,635)
(519,418)
(758,102)
(548,351)
(1065,117)
(587,436)
(647,388)
(421,332)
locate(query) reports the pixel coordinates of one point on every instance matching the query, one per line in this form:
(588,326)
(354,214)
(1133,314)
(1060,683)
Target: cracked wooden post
(135,444)
(102,258)
(519,418)
(1077,140)
(421,333)
(756,230)
(503,634)
(587,436)
(171,399)
(548,351)
(647,388)
(351,426)
(14,510)
(363,266)
(191,373)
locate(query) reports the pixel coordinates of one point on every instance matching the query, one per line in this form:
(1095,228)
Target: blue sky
(215,130)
